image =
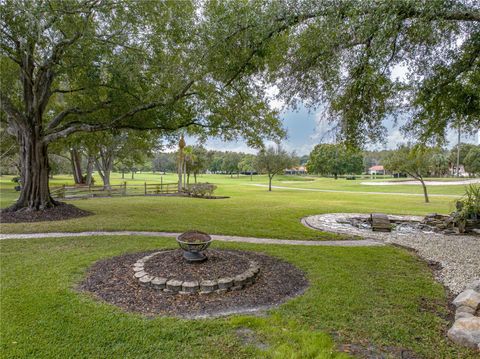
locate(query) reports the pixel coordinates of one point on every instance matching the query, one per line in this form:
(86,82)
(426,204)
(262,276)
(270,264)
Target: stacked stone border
(466,328)
(177,286)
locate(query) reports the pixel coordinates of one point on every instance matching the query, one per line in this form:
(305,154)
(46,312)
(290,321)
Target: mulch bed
(219,264)
(112,281)
(60,212)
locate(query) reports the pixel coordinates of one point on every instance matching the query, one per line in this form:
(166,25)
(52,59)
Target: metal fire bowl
(192,251)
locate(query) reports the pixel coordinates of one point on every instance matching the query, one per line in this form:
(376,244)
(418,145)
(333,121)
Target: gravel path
(339,243)
(459,255)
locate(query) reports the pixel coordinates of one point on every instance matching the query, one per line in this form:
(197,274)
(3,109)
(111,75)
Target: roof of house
(376,168)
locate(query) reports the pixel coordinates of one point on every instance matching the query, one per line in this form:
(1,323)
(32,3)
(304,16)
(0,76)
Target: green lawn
(250,210)
(384,297)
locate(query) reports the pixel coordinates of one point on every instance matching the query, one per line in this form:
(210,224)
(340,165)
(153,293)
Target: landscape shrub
(468,208)
(200,189)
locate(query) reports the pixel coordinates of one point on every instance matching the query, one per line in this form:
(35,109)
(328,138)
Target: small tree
(457,156)
(334,159)
(272,161)
(247,164)
(440,164)
(230,162)
(196,161)
(472,161)
(415,161)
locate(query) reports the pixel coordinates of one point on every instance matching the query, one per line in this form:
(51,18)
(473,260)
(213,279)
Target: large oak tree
(91,65)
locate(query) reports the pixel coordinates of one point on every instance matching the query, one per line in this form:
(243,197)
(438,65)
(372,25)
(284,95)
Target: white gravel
(459,255)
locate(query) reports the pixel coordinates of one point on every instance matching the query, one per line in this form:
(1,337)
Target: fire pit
(193,244)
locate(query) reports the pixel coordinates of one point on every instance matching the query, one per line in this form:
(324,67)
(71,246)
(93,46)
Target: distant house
(460,172)
(376,170)
(300,170)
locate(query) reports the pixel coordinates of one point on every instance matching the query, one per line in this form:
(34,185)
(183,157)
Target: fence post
(90,190)
(63,191)
(145,184)
(125,188)
(161,184)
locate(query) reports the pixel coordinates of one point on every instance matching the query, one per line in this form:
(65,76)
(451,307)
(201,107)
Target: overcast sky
(306,129)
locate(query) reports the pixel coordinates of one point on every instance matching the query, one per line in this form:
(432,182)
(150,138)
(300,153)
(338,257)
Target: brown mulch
(60,212)
(219,264)
(112,281)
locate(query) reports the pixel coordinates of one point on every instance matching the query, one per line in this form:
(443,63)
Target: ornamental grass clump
(468,207)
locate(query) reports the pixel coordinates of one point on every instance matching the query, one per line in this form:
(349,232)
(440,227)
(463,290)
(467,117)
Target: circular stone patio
(114,281)
(458,255)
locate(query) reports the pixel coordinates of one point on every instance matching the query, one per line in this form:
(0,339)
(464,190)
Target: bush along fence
(145,189)
(204,190)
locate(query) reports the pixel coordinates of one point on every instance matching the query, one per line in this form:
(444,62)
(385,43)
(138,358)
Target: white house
(376,170)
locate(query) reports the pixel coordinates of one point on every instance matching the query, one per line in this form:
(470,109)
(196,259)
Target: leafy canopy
(416,161)
(335,159)
(367,60)
(274,160)
(141,65)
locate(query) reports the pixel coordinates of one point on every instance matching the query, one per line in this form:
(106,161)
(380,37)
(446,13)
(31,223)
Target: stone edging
(335,223)
(176,286)
(466,328)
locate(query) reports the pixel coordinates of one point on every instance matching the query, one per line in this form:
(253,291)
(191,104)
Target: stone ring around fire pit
(178,286)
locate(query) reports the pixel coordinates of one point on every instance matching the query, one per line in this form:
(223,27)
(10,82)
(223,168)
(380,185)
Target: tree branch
(69,90)
(74,111)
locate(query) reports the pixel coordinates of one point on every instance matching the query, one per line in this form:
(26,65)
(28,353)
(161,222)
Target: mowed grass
(250,210)
(379,297)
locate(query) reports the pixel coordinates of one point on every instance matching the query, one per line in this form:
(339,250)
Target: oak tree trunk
(35,193)
(104,168)
(76,166)
(88,180)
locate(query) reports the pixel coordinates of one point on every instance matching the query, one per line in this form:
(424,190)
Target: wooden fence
(145,189)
